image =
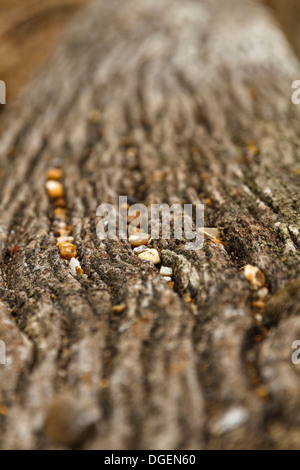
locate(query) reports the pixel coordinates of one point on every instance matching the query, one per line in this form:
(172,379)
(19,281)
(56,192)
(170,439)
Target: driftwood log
(165,101)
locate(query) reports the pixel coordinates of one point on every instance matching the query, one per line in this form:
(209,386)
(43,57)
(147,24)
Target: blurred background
(29,30)
(288,15)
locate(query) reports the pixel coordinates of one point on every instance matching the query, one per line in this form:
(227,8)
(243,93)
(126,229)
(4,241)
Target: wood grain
(195,106)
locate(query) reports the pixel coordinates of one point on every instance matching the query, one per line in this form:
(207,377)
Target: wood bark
(195,106)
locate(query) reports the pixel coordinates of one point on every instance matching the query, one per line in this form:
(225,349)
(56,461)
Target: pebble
(79,270)
(3,410)
(139,238)
(69,422)
(59,225)
(64,232)
(150,255)
(167,278)
(118,308)
(75,266)
(65,239)
(140,249)
(55,189)
(258,318)
(67,250)
(262,391)
(60,202)
(232,419)
(262,293)
(259,304)
(60,212)
(54,174)
(254,276)
(165,271)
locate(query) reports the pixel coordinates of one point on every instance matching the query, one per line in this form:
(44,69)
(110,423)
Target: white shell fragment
(167,278)
(140,249)
(65,239)
(150,255)
(139,238)
(231,419)
(254,276)
(210,232)
(73,263)
(165,271)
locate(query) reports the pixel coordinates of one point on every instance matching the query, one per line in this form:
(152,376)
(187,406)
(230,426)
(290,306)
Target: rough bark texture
(195,107)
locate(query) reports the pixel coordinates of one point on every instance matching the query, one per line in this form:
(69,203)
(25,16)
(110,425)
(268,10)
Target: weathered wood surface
(182,88)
